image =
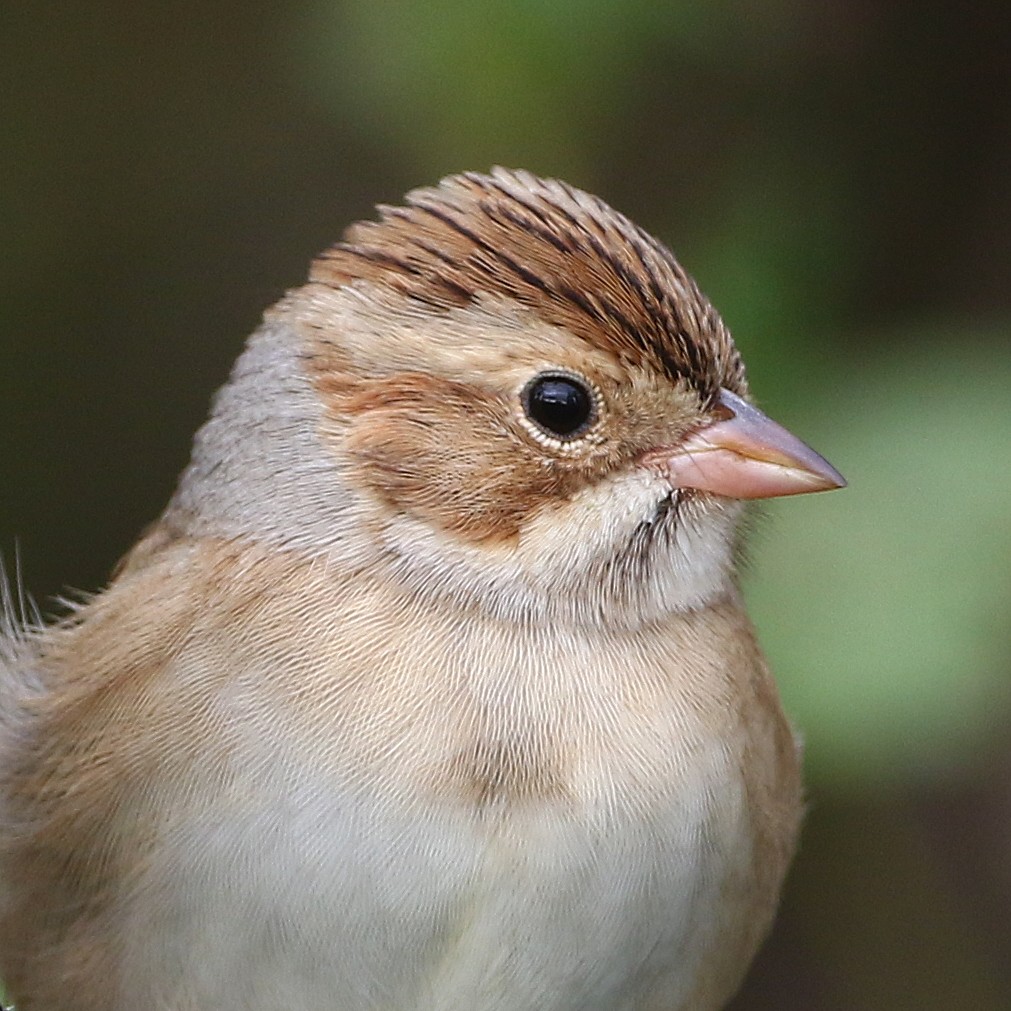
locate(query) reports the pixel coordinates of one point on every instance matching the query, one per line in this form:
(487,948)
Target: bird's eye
(559,404)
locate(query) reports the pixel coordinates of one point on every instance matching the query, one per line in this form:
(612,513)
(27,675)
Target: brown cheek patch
(446,453)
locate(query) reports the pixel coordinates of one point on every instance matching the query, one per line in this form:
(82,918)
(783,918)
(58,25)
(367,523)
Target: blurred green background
(838,178)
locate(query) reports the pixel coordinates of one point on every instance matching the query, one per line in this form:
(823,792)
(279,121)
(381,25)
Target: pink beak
(746,456)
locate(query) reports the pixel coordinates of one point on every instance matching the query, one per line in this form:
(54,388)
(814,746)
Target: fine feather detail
(399,704)
(567,255)
(20,623)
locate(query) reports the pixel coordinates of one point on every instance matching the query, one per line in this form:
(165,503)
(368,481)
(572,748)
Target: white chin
(593,561)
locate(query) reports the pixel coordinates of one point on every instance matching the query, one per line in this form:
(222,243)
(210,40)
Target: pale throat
(592,563)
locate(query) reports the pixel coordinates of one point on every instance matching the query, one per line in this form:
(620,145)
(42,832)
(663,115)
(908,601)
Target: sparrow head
(526,402)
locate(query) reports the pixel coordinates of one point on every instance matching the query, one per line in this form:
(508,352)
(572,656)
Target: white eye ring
(562,405)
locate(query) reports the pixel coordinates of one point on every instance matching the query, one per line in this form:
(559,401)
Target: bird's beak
(745,454)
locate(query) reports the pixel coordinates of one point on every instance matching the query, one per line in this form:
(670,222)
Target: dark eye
(559,404)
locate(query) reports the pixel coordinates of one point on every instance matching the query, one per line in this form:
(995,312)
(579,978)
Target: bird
(433,687)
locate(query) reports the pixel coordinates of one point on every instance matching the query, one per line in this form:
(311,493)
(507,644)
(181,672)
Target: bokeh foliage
(836,176)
